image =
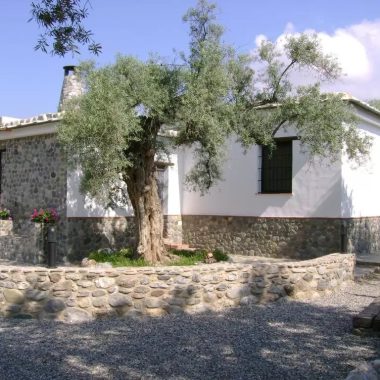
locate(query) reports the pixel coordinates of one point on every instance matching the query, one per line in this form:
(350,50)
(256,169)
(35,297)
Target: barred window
(276,168)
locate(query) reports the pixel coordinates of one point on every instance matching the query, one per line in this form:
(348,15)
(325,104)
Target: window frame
(263,168)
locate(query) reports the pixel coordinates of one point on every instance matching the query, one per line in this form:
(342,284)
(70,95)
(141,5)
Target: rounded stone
(142,289)
(54,306)
(99,293)
(85,283)
(23,285)
(138,295)
(308,277)
(157,293)
(31,277)
(84,302)
(119,300)
(36,295)
(153,303)
(249,300)
(13,296)
(126,282)
(63,285)
(74,315)
(238,292)
(144,281)
(99,301)
(73,276)
(54,277)
(173,309)
(104,282)
(221,287)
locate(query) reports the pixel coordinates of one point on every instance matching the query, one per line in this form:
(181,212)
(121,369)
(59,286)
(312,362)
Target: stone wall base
(23,243)
(74,294)
(85,235)
(297,238)
(363,235)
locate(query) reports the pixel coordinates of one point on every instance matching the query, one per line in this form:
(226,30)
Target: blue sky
(31,81)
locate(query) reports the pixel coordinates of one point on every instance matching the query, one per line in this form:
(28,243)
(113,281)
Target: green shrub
(220,255)
(192,257)
(125,257)
(122,258)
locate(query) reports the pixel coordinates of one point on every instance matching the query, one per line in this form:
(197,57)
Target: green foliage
(197,256)
(124,108)
(220,255)
(62,21)
(187,257)
(48,215)
(122,258)
(126,258)
(5,214)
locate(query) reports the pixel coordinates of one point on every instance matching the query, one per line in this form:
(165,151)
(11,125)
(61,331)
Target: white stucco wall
(316,188)
(361,184)
(79,205)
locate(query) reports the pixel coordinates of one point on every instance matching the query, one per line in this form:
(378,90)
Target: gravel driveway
(286,340)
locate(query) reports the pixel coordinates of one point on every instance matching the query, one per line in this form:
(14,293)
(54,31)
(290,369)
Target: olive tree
(113,130)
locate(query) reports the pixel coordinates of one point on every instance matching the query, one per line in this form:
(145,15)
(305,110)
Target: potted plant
(45,216)
(47,219)
(5,214)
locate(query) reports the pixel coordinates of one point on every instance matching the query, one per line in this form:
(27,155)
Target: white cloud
(357,48)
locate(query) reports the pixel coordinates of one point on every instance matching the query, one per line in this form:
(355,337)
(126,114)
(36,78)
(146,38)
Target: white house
(286,206)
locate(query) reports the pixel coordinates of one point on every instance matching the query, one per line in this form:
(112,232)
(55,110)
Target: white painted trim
(28,131)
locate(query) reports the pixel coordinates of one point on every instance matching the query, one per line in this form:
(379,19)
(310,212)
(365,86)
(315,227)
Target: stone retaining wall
(80,294)
(26,246)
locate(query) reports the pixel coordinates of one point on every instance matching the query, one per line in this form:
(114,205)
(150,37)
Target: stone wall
(299,238)
(34,176)
(173,228)
(90,234)
(80,294)
(27,247)
(6,227)
(363,235)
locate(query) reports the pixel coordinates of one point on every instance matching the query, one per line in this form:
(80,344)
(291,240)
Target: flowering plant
(5,214)
(48,215)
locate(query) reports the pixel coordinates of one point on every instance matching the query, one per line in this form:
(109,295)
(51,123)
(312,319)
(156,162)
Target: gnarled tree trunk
(143,194)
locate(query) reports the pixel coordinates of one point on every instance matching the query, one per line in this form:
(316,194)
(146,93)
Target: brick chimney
(72,86)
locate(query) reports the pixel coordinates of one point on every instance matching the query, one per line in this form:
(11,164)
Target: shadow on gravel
(285,340)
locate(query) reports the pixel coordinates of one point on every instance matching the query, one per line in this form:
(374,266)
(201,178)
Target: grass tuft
(125,257)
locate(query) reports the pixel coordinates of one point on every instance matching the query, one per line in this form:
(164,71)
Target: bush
(122,258)
(5,214)
(126,258)
(48,215)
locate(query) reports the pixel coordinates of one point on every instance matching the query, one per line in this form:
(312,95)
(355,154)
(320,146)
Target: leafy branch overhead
(64,31)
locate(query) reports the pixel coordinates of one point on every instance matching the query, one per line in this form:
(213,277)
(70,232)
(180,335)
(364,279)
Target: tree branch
(278,127)
(273,98)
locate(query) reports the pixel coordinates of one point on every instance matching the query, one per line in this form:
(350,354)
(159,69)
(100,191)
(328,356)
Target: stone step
(369,317)
(368,260)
